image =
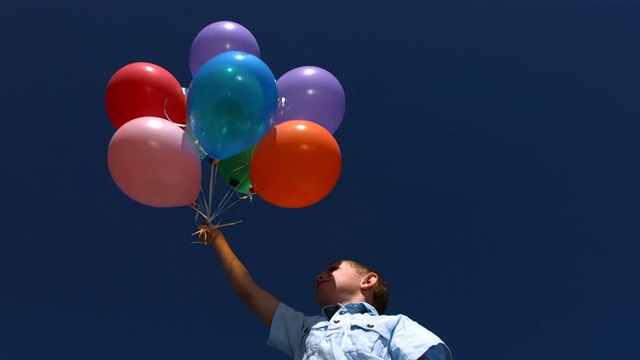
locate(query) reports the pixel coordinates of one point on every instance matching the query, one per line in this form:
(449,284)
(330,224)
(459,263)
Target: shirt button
(336,321)
(342,312)
(369,326)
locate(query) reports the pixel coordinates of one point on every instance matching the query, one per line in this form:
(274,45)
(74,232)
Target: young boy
(352,298)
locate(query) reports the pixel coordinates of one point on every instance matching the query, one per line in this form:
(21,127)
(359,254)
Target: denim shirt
(352,332)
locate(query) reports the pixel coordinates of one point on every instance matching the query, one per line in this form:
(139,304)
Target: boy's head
(348,281)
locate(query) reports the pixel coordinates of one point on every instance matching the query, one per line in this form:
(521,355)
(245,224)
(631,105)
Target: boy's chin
(322,302)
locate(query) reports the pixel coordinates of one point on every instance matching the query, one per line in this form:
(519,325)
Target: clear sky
(490,173)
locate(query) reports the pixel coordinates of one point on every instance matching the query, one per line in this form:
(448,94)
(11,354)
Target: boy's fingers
(211,235)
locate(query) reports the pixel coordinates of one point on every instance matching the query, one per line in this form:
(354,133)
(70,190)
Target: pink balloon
(154,162)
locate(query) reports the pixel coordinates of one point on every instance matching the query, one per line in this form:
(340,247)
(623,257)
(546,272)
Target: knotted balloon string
(204,209)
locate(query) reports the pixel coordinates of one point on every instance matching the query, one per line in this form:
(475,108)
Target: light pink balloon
(154,162)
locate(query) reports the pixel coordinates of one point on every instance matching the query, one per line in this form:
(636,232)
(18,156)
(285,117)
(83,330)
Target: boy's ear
(368,281)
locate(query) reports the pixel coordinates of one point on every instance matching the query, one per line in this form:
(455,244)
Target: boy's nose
(318,279)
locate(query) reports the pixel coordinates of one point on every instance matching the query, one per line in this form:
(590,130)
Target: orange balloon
(296,164)
(144,89)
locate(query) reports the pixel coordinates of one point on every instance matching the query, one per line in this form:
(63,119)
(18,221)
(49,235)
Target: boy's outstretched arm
(260,301)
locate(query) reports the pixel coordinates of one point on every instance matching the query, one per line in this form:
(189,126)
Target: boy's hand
(208,234)
(213,235)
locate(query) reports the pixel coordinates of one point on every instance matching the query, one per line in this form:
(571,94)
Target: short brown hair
(380,290)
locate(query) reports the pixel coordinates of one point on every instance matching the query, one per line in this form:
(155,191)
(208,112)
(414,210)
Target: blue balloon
(231,103)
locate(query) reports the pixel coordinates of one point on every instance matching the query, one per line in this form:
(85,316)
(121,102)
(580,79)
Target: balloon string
(224,203)
(199,212)
(204,205)
(212,183)
(207,209)
(281,104)
(197,143)
(166,115)
(244,177)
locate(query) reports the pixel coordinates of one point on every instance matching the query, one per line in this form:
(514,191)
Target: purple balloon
(311,93)
(217,38)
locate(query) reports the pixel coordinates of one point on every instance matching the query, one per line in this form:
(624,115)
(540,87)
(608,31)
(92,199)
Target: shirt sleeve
(286,329)
(410,340)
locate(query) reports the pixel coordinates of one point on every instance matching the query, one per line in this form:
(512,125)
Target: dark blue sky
(490,172)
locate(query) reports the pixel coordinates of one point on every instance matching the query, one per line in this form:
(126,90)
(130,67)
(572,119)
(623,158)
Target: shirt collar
(352,308)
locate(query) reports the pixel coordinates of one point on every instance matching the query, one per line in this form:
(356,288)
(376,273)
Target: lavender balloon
(217,38)
(311,93)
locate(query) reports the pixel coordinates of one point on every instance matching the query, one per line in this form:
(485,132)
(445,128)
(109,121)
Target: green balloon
(235,171)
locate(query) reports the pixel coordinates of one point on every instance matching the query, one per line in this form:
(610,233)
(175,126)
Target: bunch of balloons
(272,138)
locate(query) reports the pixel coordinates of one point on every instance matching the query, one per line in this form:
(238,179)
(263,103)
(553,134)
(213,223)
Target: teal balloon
(231,103)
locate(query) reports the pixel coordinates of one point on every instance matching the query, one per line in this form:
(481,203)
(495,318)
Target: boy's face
(338,283)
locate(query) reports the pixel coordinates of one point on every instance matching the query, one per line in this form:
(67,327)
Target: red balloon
(144,89)
(296,164)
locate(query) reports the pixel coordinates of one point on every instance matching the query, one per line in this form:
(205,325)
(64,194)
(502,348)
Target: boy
(352,297)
